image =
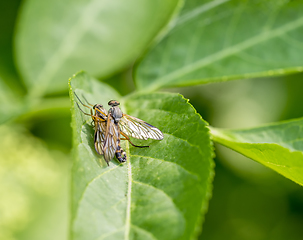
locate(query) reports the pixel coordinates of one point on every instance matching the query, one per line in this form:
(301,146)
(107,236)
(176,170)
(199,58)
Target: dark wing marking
(100,128)
(112,135)
(137,128)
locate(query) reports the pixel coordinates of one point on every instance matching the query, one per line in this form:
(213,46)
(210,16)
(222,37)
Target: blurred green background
(249,201)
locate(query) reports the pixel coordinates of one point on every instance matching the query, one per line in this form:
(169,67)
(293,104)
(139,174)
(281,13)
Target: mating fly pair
(109,126)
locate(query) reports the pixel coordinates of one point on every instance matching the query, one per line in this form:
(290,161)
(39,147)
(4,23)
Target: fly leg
(93,117)
(91,111)
(127,138)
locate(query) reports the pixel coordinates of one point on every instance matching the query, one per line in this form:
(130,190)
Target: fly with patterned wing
(137,128)
(110,126)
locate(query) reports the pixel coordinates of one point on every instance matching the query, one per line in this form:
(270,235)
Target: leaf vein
(174,163)
(185,140)
(199,10)
(145,231)
(109,234)
(87,185)
(263,36)
(169,197)
(129,190)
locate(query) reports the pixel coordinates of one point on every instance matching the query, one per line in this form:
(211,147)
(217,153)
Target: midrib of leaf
(197,11)
(217,134)
(129,190)
(128,208)
(128,227)
(67,45)
(263,36)
(250,149)
(128,223)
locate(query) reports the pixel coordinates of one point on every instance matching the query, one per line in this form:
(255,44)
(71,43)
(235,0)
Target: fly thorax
(116,113)
(101,112)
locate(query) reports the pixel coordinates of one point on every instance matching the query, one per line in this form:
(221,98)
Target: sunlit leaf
(56,38)
(161,192)
(222,40)
(277,146)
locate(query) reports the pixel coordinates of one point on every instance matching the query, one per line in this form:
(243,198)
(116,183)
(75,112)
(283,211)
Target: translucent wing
(111,137)
(100,128)
(137,128)
(99,119)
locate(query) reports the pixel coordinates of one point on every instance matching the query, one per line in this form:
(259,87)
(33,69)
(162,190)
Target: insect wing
(111,140)
(100,128)
(137,128)
(99,119)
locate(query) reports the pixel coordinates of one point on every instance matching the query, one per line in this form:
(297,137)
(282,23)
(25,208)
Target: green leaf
(223,40)
(277,146)
(160,192)
(56,38)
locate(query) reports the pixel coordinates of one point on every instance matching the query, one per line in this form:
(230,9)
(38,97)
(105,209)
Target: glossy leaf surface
(277,146)
(160,192)
(222,40)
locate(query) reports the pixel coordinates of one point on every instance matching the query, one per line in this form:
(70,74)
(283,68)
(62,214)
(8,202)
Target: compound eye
(113,103)
(98,106)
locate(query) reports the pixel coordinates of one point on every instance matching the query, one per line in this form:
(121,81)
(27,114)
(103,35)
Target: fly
(99,118)
(110,126)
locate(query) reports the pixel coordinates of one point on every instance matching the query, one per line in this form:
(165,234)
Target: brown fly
(110,126)
(99,117)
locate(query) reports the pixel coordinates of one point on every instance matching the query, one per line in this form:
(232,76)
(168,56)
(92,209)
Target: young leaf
(55,38)
(277,146)
(223,40)
(160,192)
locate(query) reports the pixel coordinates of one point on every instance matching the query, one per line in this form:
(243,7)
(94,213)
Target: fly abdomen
(120,154)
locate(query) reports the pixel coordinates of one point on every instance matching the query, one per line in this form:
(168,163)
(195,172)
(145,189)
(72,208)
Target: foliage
(202,49)
(161,192)
(277,146)
(172,188)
